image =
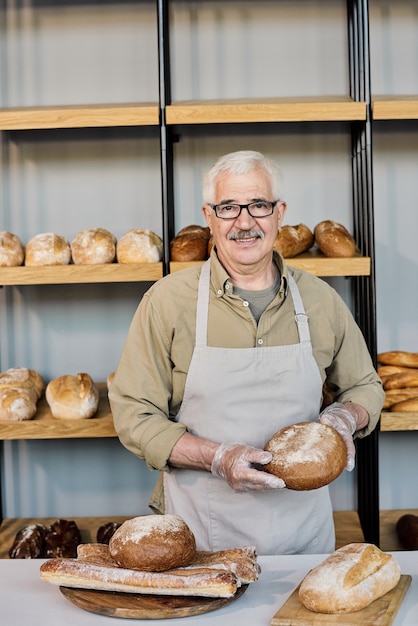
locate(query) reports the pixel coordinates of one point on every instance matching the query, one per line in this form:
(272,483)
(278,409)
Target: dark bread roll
(29,542)
(153,543)
(307,455)
(334,240)
(293,240)
(62,539)
(190,244)
(407,531)
(106,531)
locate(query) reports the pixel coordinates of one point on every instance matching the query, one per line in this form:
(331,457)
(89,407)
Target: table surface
(26,599)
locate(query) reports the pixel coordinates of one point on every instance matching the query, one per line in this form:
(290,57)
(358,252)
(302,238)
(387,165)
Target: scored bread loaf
(334,240)
(293,240)
(307,455)
(17,404)
(401,379)
(93,246)
(72,397)
(12,252)
(407,405)
(350,579)
(23,377)
(139,246)
(190,244)
(47,249)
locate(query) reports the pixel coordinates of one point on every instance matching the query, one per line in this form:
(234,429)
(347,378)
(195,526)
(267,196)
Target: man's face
(257,235)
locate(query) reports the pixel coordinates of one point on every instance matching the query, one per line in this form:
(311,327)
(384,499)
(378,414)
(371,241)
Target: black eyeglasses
(261,208)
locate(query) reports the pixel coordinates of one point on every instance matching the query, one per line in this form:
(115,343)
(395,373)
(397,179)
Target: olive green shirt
(148,387)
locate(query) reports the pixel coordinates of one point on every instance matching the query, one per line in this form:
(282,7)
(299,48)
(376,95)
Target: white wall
(63,181)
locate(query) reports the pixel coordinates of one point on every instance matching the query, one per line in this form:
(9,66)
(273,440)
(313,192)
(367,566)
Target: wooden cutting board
(381,612)
(137,606)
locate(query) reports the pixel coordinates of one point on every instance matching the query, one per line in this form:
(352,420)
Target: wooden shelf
(45,426)
(390,422)
(315,263)
(69,274)
(320,109)
(81,116)
(395,108)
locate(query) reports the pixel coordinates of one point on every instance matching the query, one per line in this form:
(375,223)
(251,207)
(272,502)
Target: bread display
(139,246)
(190,244)
(62,539)
(334,240)
(29,542)
(398,371)
(350,579)
(93,246)
(47,249)
(12,252)
(407,531)
(307,455)
(72,397)
(153,543)
(294,240)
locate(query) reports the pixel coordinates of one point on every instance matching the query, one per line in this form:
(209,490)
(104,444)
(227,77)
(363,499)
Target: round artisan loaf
(307,455)
(47,249)
(139,246)
(93,246)
(190,244)
(17,404)
(12,252)
(153,543)
(334,240)
(72,397)
(293,240)
(23,378)
(350,579)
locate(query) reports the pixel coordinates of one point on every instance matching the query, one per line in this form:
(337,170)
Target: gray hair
(241,162)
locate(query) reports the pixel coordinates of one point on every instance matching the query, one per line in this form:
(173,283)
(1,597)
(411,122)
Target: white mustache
(246,234)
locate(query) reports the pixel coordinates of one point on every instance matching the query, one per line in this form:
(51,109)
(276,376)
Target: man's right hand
(236,463)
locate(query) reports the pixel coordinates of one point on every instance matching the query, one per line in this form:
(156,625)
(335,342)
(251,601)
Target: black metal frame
(363,287)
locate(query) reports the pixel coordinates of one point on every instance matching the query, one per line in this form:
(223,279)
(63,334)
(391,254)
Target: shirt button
(219,292)
(245,303)
(227,286)
(260,341)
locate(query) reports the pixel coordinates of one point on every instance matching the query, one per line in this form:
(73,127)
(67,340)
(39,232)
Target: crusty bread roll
(398,357)
(153,543)
(12,252)
(93,246)
(17,404)
(139,246)
(190,244)
(401,379)
(22,377)
(47,249)
(407,531)
(293,240)
(72,397)
(350,579)
(307,455)
(29,542)
(334,240)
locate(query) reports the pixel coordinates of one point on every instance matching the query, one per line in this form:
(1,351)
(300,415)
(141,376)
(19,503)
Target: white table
(26,600)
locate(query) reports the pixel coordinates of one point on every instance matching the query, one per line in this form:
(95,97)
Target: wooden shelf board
(45,426)
(79,116)
(392,421)
(395,107)
(327,109)
(314,263)
(69,274)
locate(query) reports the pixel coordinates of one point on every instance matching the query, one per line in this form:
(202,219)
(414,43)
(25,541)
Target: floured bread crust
(307,455)
(139,246)
(47,249)
(350,579)
(72,397)
(93,246)
(12,252)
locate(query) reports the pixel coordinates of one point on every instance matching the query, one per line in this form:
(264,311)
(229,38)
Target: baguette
(401,380)
(398,357)
(386,370)
(398,395)
(350,579)
(409,405)
(334,240)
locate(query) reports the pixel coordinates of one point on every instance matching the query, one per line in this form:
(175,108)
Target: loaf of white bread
(47,249)
(93,246)
(20,390)
(12,252)
(139,246)
(350,579)
(72,397)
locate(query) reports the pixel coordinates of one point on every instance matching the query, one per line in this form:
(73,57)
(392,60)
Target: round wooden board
(137,606)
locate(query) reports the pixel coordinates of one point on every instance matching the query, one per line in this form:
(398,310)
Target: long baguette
(398,357)
(401,380)
(409,405)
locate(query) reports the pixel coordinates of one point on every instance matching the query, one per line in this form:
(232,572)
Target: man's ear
(208,214)
(281,212)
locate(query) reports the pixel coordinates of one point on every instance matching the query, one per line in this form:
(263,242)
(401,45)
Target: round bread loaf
(190,244)
(12,252)
(17,404)
(72,397)
(93,246)
(47,249)
(334,240)
(153,543)
(22,377)
(293,240)
(139,246)
(307,455)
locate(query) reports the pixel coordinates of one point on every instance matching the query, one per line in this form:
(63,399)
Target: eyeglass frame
(245,206)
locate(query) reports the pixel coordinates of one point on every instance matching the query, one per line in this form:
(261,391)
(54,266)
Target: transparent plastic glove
(339,417)
(235,463)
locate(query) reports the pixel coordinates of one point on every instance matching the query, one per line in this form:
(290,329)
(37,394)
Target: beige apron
(245,395)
